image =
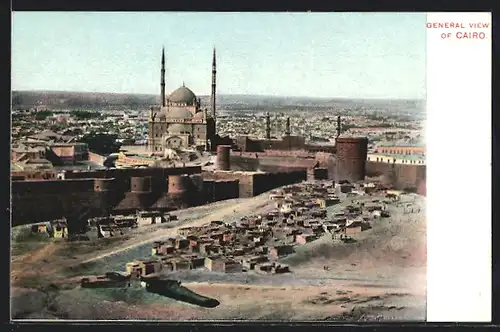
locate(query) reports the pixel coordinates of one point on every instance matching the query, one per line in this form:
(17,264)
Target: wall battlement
(77,198)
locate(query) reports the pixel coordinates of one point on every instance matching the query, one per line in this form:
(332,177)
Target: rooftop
(400,156)
(402,144)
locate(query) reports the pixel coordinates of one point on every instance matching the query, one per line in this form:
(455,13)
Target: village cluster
(257,242)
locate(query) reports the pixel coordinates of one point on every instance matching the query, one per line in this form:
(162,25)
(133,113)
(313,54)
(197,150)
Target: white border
(458,171)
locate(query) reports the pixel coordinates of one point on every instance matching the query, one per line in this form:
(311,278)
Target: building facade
(180,121)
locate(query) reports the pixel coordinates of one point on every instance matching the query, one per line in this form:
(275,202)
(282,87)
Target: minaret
(268,126)
(163,77)
(338,126)
(287,130)
(214,72)
(152,138)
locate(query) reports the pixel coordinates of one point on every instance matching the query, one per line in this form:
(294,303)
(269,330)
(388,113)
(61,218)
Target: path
(25,261)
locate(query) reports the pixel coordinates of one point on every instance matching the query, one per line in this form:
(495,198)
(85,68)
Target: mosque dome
(179,113)
(162,113)
(182,95)
(178,128)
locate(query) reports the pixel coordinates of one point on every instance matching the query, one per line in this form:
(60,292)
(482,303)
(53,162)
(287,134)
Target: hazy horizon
(219,94)
(304,55)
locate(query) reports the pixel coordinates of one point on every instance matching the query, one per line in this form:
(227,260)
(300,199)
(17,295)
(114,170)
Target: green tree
(100,143)
(85,115)
(42,115)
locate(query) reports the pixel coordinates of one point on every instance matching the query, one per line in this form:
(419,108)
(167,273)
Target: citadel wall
(77,198)
(400,175)
(255,183)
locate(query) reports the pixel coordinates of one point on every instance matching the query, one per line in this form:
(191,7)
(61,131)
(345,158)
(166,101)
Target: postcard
(250,166)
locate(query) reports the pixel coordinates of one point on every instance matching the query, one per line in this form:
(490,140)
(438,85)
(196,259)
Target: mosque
(180,121)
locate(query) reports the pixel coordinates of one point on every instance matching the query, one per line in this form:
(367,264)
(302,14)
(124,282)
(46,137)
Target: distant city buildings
(46,150)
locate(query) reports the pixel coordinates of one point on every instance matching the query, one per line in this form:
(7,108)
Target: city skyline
(324,55)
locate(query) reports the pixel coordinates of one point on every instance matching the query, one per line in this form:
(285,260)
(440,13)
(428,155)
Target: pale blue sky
(351,55)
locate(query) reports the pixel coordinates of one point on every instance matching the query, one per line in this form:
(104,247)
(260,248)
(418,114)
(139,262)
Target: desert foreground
(381,276)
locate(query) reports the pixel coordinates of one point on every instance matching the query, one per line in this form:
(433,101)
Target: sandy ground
(380,277)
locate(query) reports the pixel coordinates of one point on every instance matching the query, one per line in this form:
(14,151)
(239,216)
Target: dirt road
(24,264)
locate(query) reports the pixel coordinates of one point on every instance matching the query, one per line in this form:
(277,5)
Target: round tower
(176,184)
(104,185)
(105,195)
(351,158)
(140,184)
(223,157)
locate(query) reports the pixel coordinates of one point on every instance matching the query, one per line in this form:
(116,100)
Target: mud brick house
(150,217)
(280,250)
(305,238)
(162,248)
(39,228)
(184,231)
(197,261)
(143,268)
(166,264)
(182,264)
(181,243)
(232,266)
(250,262)
(352,230)
(214,264)
(60,230)
(222,264)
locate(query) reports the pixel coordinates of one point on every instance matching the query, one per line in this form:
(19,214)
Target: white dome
(179,113)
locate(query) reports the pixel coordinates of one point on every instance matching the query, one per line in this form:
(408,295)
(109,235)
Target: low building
(184,231)
(70,153)
(281,269)
(143,268)
(346,188)
(280,250)
(326,202)
(181,243)
(271,268)
(108,231)
(125,221)
(131,159)
(59,230)
(150,217)
(162,248)
(39,228)
(166,264)
(352,230)
(276,197)
(182,264)
(318,213)
(232,266)
(214,264)
(227,237)
(222,264)
(285,206)
(305,238)
(198,262)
